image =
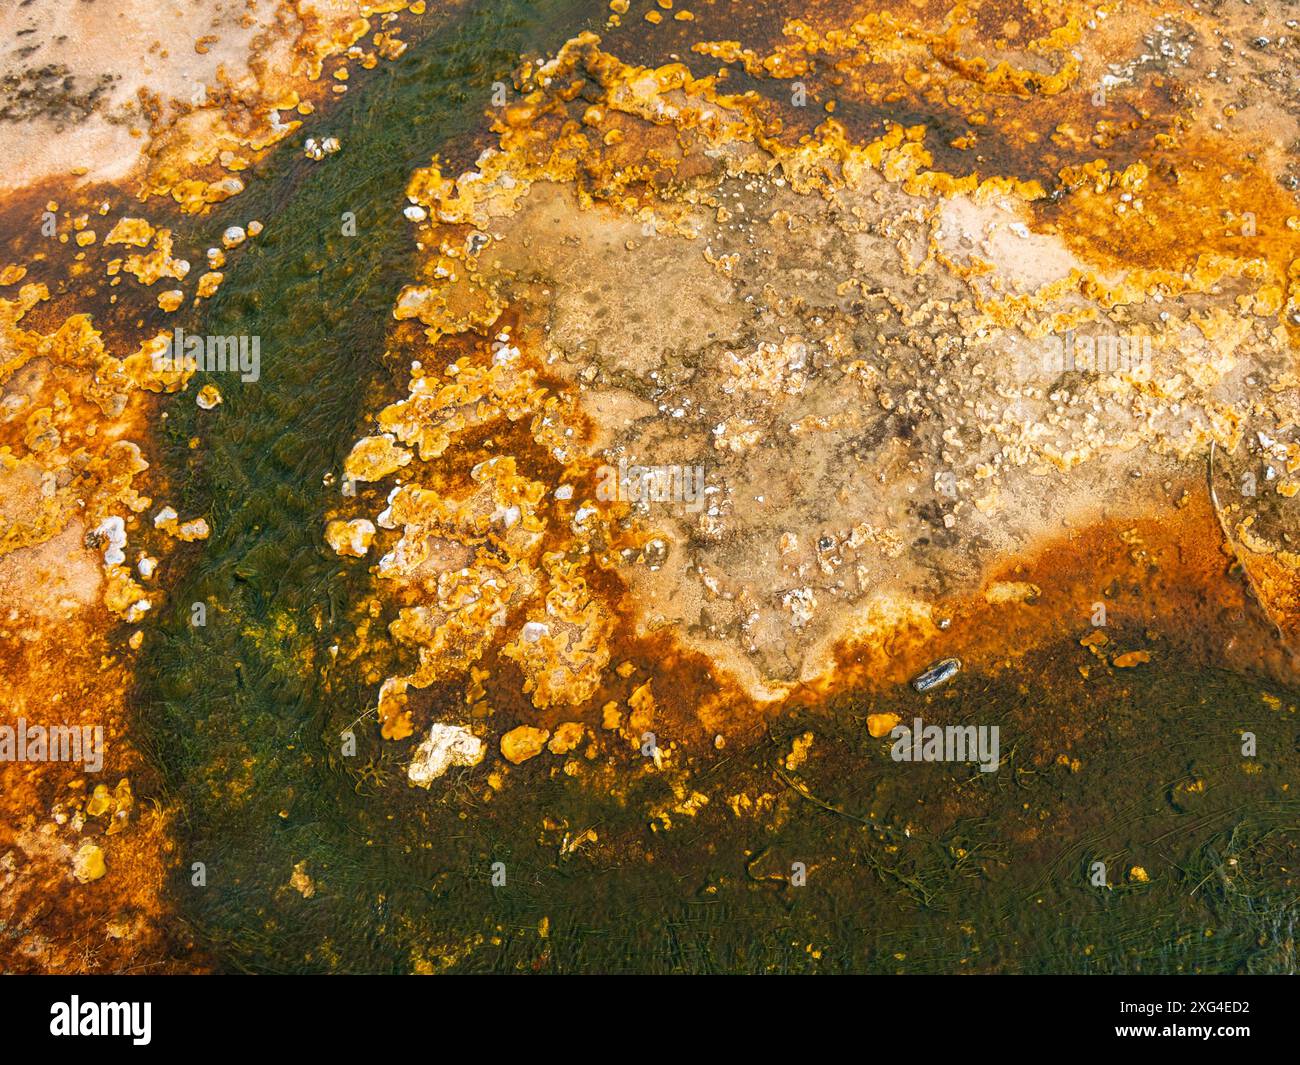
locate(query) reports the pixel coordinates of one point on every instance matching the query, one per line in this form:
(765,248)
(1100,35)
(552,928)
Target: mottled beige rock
(88,863)
(522,743)
(567,737)
(446,746)
(375,457)
(350,537)
(879,725)
(301,882)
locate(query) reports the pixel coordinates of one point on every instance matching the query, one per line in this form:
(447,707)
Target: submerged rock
(208,398)
(446,746)
(937,674)
(301,882)
(567,736)
(522,743)
(350,537)
(879,725)
(88,863)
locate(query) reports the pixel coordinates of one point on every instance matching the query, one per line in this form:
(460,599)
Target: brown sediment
(1157,575)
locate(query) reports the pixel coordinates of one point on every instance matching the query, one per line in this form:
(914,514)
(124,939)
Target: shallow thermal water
(772,831)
